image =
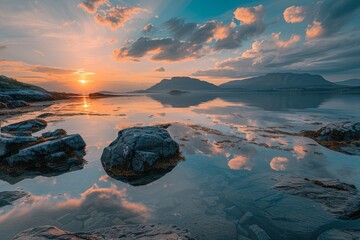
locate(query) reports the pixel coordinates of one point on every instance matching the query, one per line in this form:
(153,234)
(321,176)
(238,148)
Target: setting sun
(83,81)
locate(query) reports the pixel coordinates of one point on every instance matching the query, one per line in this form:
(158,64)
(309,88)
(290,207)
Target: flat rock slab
(33,125)
(340,199)
(7,197)
(340,234)
(127,232)
(343,137)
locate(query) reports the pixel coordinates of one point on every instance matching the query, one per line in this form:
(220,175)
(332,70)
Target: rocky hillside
(182,84)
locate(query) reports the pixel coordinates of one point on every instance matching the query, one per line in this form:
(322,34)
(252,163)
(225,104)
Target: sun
(83,81)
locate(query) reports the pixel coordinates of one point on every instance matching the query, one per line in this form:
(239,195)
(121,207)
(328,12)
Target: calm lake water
(227,176)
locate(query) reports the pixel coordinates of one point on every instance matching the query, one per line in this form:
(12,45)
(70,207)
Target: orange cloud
(315,30)
(249,15)
(91,6)
(239,162)
(294,14)
(117,16)
(279,163)
(286,44)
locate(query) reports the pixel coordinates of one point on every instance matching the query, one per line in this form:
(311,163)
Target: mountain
(23,91)
(277,81)
(350,82)
(182,84)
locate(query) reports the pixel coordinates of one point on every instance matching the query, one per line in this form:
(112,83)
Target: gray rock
(30,95)
(342,131)
(139,148)
(340,234)
(33,125)
(126,232)
(18,104)
(259,232)
(340,199)
(3,105)
(141,155)
(10,143)
(5,98)
(7,197)
(56,133)
(65,149)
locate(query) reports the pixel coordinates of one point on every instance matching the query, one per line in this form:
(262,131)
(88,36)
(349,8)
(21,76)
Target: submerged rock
(24,156)
(151,232)
(147,152)
(17,104)
(340,234)
(343,137)
(340,199)
(7,197)
(33,125)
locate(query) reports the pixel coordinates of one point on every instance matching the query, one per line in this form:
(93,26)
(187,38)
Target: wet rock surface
(154,231)
(25,156)
(32,125)
(7,197)
(340,234)
(340,199)
(138,153)
(343,137)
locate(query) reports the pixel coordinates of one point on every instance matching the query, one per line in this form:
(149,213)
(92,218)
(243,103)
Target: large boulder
(141,150)
(343,137)
(126,232)
(340,199)
(33,125)
(10,143)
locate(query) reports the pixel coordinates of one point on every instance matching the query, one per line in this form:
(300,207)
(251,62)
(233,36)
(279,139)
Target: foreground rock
(141,152)
(343,137)
(151,232)
(340,234)
(33,125)
(28,156)
(340,199)
(7,197)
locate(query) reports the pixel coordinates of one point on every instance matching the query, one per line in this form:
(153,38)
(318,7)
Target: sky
(123,45)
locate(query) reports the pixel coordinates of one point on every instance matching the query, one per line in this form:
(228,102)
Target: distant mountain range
(268,82)
(350,82)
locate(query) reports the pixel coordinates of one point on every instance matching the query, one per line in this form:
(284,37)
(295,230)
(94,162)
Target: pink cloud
(249,15)
(279,163)
(286,44)
(315,30)
(294,14)
(91,6)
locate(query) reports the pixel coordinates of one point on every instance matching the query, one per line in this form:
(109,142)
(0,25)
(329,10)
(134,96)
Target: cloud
(51,70)
(160,69)
(332,16)
(179,29)
(249,15)
(315,30)
(91,6)
(160,49)
(279,163)
(112,41)
(148,28)
(334,55)
(117,16)
(294,14)
(2,47)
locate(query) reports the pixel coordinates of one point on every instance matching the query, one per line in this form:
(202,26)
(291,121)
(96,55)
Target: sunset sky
(72,45)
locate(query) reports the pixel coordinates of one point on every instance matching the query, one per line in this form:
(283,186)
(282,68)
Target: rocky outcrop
(343,137)
(18,104)
(33,125)
(7,197)
(151,232)
(139,151)
(23,155)
(340,199)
